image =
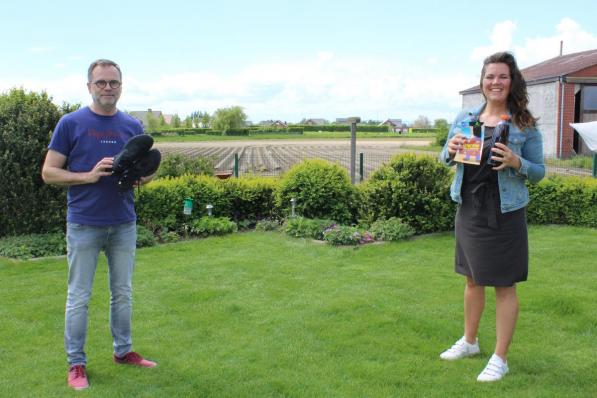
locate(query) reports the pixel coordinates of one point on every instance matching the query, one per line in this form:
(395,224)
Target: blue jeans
(84,243)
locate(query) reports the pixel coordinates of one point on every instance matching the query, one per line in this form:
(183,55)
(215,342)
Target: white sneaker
(461,349)
(496,369)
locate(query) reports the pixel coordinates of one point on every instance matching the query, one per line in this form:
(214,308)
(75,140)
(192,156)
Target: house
(342,120)
(142,116)
(315,122)
(395,125)
(562,90)
(274,123)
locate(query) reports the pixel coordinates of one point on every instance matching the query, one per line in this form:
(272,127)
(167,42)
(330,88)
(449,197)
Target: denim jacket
(527,144)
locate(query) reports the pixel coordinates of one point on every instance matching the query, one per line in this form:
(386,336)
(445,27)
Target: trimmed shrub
(391,230)
(159,204)
(145,237)
(342,235)
(563,200)
(414,188)
(321,189)
(33,245)
(27,204)
(206,226)
(175,165)
(250,198)
(301,227)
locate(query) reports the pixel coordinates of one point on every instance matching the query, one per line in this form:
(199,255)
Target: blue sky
(283,60)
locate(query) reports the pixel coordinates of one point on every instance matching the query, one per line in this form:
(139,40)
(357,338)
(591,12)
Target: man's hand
(103,168)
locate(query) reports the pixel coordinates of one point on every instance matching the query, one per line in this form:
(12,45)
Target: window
(589,98)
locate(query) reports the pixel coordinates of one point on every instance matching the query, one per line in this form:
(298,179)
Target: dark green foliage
(391,230)
(342,235)
(414,188)
(206,226)
(250,198)
(563,200)
(236,132)
(267,225)
(175,165)
(321,189)
(27,204)
(33,245)
(145,237)
(301,227)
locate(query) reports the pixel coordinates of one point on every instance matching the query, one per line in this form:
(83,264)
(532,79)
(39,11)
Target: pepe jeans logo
(104,137)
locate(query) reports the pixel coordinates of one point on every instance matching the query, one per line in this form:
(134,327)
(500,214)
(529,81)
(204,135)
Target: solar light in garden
(293,204)
(187,207)
(209,207)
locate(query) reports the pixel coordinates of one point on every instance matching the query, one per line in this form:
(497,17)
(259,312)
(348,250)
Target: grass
(577,161)
(308,135)
(260,314)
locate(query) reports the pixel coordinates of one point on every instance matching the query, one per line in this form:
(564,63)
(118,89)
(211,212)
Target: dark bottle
(501,134)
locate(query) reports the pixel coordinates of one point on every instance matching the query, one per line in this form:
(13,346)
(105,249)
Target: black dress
(491,246)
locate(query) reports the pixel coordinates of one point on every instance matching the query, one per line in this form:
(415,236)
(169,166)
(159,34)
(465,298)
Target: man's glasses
(103,83)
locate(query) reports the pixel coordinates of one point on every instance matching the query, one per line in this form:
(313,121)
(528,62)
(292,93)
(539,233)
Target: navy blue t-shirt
(85,137)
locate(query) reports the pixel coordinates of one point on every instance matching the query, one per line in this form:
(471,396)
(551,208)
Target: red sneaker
(77,378)
(132,358)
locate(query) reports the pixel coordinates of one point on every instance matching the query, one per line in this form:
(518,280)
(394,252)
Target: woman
(491,231)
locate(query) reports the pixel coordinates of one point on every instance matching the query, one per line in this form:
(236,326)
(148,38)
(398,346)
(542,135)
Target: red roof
(553,68)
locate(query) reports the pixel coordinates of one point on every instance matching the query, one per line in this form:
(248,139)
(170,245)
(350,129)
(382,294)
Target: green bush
(301,227)
(27,205)
(391,230)
(342,235)
(236,132)
(563,200)
(206,226)
(321,189)
(250,198)
(414,188)
(441,136)
(145,237)
(33,245)
(175,165)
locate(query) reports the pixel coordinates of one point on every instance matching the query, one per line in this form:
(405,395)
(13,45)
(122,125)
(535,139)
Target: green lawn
(265,315)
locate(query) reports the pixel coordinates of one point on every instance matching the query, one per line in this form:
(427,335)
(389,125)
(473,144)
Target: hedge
(564,200)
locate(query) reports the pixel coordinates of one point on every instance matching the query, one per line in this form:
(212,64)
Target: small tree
(422,122)
(152,122)
(229,118)
(175,122)
(27,204)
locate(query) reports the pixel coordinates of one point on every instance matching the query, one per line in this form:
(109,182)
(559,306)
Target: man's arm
(53,171)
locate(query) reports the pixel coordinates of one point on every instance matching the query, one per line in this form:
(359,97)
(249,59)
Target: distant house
(142,116)
(167,119)
(274,123)
(562,90)
(395,125)
(342,120)
(315,122)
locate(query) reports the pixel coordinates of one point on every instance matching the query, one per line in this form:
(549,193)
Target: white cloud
(536,49)
(500,38)
(41,50)
(539,49)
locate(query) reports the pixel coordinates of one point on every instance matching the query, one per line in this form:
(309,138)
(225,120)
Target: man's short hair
(102,62)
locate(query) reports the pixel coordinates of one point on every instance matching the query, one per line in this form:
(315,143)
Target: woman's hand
(506,156)
(455,144)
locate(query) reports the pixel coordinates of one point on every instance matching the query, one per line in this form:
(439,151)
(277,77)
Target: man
(99,215)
